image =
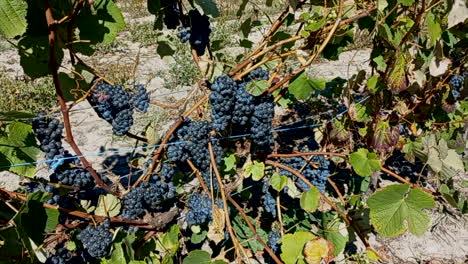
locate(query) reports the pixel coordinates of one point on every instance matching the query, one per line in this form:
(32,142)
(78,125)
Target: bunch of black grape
(49,133)
(133,206)
(183,34)
(456,82)
(193,138)
(243,107)
(171,13)
(273,239)
(157,192)
(63,256)
(316,171)
(112,103)
(147,195)
(140,100)
(200,208)
(262,116)
(97,239)
(77,177)
(167,172)
(199,33)
(222,99)
(257,74)
(268,200)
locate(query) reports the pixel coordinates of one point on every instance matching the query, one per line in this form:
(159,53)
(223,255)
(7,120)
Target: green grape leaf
(108,205)
(18,146)
(197,257)
(292,246)
(338,235)
(256,88)
(278,182)
(99,24)
(372,83)
(34,220)
(380,62)
(230,162)
(310,199)
(117,255)
(13,18)
(397,79)
(197,238)
(433,26)
(256,169)
(302,87)
(245,234)
(397,208)
(209,7)
(169,242)
(364,162)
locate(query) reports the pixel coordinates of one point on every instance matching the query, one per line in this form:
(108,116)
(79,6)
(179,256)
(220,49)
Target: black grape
(49,133)
(456,82)
(115,105)
(200,209)
(123,122)
(244,106)
(140,100)
(222,99)
(62,256)
(97,239)
(268,200)
(133,206)
(183,34)
(317,176)
(171,13)
(257,74)
(199,31)
(273,239)
(167,172)
(77,177)
(157,192)
(262,117)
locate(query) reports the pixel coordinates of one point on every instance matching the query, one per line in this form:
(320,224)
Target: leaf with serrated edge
(317,250)
(364,162)
(397,208)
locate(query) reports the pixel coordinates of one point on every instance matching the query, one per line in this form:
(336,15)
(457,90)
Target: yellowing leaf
(317,250)
(292,246)
(108,205)
(216,228)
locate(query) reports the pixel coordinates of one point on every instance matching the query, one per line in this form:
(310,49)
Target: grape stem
(51,23)
(237,246)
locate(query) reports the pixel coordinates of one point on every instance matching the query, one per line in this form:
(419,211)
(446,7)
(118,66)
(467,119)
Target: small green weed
(26,95)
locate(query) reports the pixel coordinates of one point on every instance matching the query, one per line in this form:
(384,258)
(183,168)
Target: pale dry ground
(446,242)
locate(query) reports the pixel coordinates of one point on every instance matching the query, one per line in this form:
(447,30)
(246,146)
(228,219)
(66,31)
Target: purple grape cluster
(171,13)
(77,177)
(268,200)
(222,99)
(317,176)
(183,33)
(261,120)
(97,239)
(200,208)
(140,100)
(49,133)
(112,103)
